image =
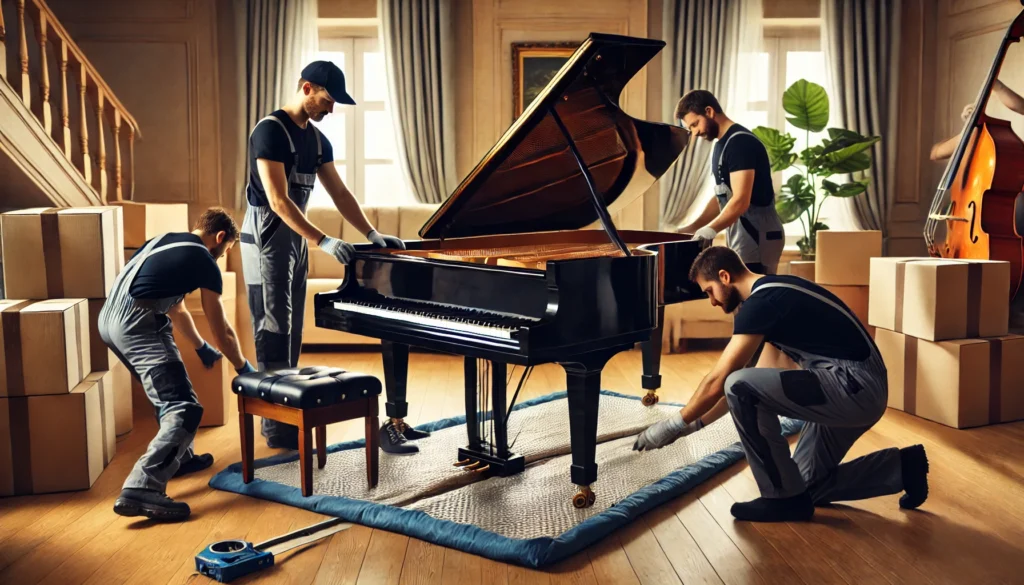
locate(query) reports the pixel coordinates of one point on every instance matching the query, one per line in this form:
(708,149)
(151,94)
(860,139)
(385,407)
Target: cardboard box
(143,221)
(843,258)
(57,443)
(45,345)
(960,383)
(61,252)
(194,300)
(856,298)
(939,299)
(121,384)
(803,269)
(211,385)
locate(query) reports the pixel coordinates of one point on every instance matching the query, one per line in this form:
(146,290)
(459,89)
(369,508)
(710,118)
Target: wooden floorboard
(971,530)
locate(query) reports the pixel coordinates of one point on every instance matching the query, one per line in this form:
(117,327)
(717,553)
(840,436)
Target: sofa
(689,320)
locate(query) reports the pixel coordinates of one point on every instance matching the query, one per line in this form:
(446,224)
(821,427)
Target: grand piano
(522,264)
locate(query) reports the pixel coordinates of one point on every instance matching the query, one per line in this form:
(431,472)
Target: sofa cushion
(412,217)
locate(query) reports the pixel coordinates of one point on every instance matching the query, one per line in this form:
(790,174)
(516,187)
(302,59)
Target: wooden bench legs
(309,421)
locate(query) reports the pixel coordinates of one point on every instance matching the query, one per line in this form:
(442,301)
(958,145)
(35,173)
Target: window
(362,135)
(791,55)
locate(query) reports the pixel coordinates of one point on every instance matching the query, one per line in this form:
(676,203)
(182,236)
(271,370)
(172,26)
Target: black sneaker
(151,504)
(795,509)
(283,442)
(393,441)
(196,463)
(412,434)
(914,464)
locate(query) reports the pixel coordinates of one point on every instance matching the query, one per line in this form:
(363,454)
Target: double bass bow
(983,184)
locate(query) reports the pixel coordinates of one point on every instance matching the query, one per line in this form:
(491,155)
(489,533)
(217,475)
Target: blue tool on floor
(227,560)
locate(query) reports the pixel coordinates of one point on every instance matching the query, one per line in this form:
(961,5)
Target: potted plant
(843,152)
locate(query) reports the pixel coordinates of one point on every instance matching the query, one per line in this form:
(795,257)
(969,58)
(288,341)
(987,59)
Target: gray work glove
(382,241)
(341,250)
(706,235)
(666,432)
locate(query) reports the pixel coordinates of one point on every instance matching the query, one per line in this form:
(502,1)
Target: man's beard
(711,131)
(314,113)
(732,301)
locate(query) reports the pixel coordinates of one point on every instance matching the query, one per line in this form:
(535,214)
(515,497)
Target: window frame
(355,42)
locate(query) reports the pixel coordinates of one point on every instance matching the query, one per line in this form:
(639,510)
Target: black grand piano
(522,264)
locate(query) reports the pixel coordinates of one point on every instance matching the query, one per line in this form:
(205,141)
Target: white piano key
(495,331)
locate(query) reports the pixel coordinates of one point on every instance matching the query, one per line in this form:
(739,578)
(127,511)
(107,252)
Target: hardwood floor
(971,530)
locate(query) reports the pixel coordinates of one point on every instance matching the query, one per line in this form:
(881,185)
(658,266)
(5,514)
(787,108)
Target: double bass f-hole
(973,207)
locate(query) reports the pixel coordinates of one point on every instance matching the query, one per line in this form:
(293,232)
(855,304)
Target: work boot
(914,464)
(794,509)
(289,441)
(393,441)
(196,463)
(412,434)
(151,504)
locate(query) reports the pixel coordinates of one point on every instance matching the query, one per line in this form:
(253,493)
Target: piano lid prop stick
(602,213)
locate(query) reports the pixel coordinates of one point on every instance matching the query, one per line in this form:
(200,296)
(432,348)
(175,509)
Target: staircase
(69,147)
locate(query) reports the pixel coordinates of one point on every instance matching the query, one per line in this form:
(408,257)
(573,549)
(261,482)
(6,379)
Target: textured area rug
(527,518)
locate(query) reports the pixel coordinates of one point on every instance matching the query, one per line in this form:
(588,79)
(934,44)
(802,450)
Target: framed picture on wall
(533,67)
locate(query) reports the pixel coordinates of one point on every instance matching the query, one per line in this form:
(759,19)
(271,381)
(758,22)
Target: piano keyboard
(475,321)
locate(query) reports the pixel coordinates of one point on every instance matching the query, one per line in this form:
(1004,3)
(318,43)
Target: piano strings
(487,411)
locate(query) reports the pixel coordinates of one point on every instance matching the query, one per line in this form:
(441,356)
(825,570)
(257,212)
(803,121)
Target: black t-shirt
(269,141)
(178,271)
(745,152)
(803,321)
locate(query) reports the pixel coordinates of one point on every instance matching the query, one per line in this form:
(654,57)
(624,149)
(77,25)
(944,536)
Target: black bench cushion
(309,387)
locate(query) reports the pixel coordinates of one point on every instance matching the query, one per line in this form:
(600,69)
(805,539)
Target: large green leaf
(778,145)
(795,198)
(838,157)
(847,189)
(807,103)
(858,162)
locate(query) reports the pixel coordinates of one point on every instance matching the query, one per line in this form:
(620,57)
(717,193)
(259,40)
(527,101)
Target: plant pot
(807,256)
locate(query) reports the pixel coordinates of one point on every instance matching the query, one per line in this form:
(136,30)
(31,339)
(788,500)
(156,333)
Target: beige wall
(172,65)
(348,8)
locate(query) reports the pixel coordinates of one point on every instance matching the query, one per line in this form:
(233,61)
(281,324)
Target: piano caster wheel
(585,498)
(650,399)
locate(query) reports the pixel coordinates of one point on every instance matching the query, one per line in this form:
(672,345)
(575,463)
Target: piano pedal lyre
(462,462)
(651,398)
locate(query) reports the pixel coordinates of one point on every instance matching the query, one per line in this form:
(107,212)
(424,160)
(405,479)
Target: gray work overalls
(141,335)
(839,400)
(757,236)
(275,262)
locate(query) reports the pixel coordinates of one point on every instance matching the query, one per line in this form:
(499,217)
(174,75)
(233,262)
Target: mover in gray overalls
(744,203)
(836,383)
(286,156)
(137,320)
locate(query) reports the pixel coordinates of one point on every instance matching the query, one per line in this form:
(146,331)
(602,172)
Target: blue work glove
(382,241)
(340,249)
(208,355)
(245,369)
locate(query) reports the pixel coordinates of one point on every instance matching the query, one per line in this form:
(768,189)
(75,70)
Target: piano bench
(309,398)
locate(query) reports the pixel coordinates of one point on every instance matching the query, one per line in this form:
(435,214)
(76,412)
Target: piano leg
(499,379)
(472,425)
(651,355)
(583,382)
(396,373)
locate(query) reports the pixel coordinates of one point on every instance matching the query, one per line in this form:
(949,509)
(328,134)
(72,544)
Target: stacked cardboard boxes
(62,394)
(842,265)
(942,327)
(144,221)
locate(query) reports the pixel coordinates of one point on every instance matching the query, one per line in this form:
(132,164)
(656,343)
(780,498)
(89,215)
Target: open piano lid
(530,181)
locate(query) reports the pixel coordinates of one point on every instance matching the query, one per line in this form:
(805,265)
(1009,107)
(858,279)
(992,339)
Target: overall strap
(829,302)
(291,145)
(721,154)
(319,148)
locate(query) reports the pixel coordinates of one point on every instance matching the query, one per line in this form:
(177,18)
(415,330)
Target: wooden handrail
(112,179)
(74,50)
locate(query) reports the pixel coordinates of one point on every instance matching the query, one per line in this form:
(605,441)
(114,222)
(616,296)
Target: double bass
(983,184)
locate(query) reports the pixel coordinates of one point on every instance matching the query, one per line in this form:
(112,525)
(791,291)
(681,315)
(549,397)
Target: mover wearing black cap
(287,155)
